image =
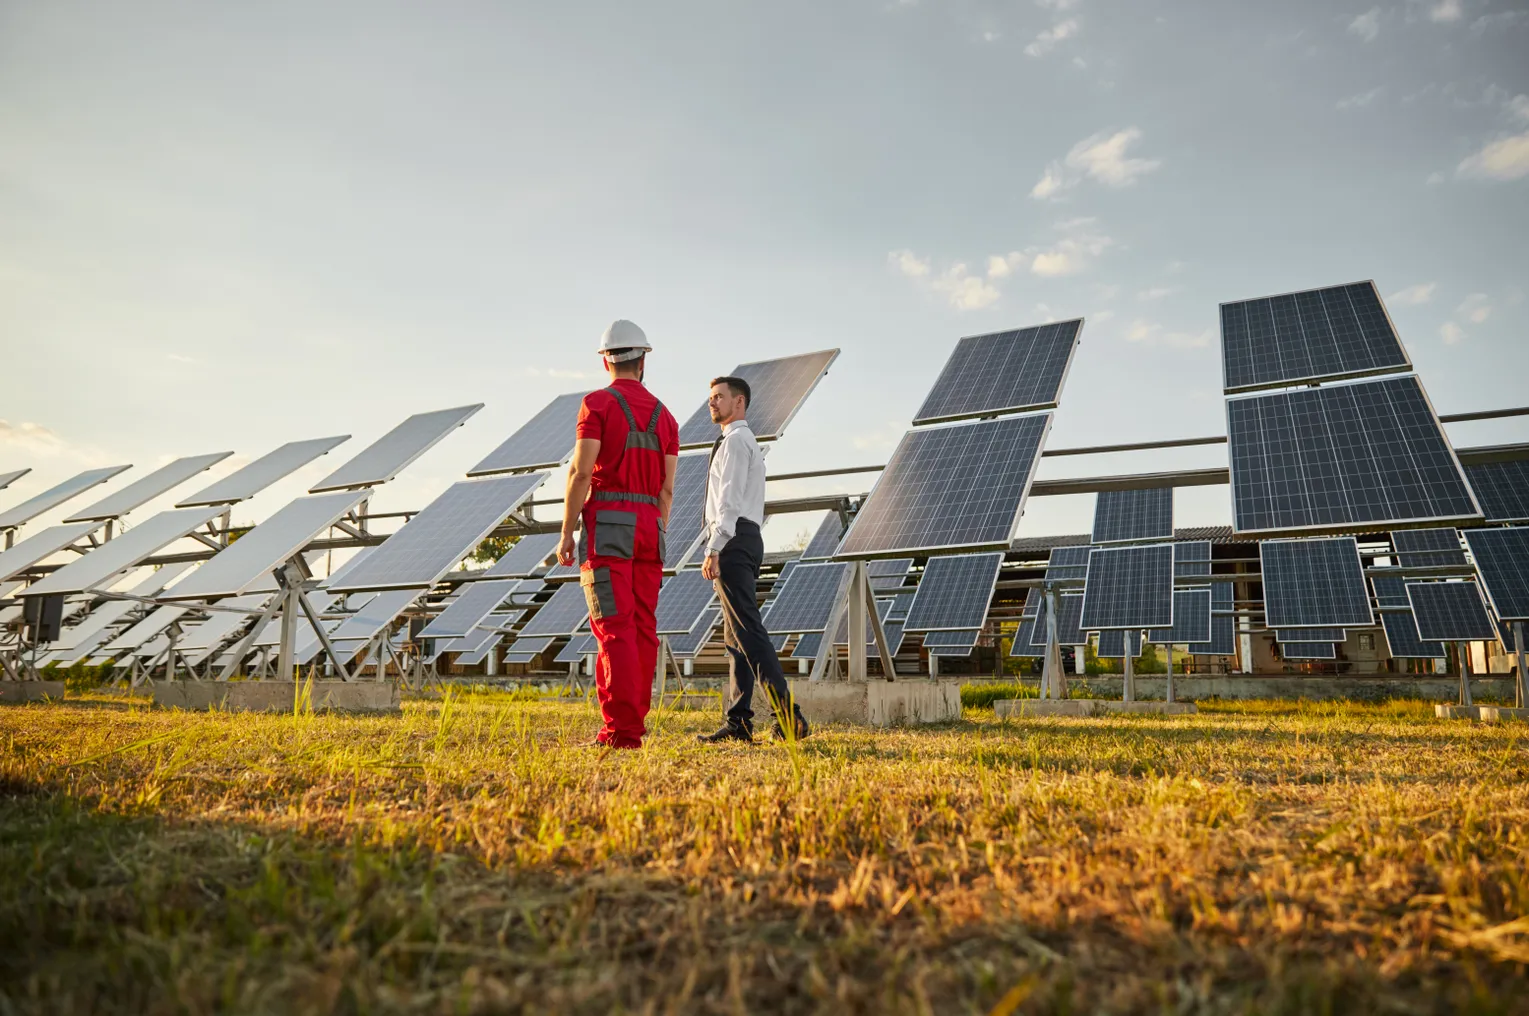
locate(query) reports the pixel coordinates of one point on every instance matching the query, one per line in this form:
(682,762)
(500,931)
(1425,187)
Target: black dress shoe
(802,729)
(726,734)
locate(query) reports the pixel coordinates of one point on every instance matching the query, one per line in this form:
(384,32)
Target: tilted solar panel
(954,592)
(1223,597)
(249,480)
(564,614)
(378,612)
(1319,334)
(390,454)
(1069,616)
(220,626)
(6,479)
(1426,548)
(1310,635)
(1402,637)
(1112,644)
(56,495)
(526,650)
(1130,516)
(778,389)
(477,656)
(1502,560)
(475,602)
(106,562)
(826,540)
(544,442)
(1191,559)
(1502,489)
(687,511)
(887,575)
(1391,591)
(1223,638)
(146,488)
(1450,612)
(152,623)
(1129,587)
(1342,456)
(1068,563)
(686,646)
(808,645)
(950,488)
(682,599)
(484,635)
(902,602)
(1191,619)
(39,547)
(950,643)
(579,647)
(1314,583)
(528,557)
(1308,651)
(1003,372)
(807,599)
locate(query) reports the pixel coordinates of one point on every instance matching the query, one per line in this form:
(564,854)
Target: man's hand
(566,549)
(710,569)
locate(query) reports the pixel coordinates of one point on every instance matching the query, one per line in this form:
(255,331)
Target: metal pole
(1519,697)
(1128,693)
(857,608)
(1057,681)
(289,609)
(1168,650)
(1463,654)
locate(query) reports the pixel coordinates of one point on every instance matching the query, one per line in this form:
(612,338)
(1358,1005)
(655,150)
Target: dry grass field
(469,857)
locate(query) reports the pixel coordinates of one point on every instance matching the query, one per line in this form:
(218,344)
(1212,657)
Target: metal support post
(1520,698)
(856,628)
(1053,675)
(284,655)
(1168,651)
(934,666)
(1463,655)
(1128,686)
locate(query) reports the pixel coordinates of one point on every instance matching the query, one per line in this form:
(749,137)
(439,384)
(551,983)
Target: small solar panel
(808,645)
(1402,637)
(1505,635)
(1222,597)
(778,389)
(146,488)
(441,535)
(780,579)
(39,547)
(826,540)
(95,623)
(544,442)
(376,614)
(1310,635)
(221,624)
(682,599)
(1450,612)
(1069,617)
(249,480)
(152,623)
(1003,372)
(1319,334)
(1502,560)
(1067,563)
(1427,548)
(902,602)
(249,560)
(954,592)
(1223,638)
(1502,489)
(804,603)
(486,633)
(687,510)
(125,551)
(390,454)
(1112,644)
(56,495)
(6,479)
(688,645)
(887,575)
(528,557)
(577,648)
(1191,559)
(1129,587)
(463,614)
(1391,592)
(1308,651)
(561,615)
(477,656)
(525,650)
(270,633)
(1315,583)
(1341,456)
(950,488)
(1130,516)
(950,643)
(1191,619)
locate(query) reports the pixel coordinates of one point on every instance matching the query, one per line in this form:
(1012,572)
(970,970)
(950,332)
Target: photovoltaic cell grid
(1449,612)
(146,488)
(56,495)
(687,511)
(1391,592)
(386,457)
(804,603)
(526,558)
(1069,616)
(826,540)
(1316,583)
(1310,635)
(1191,619)
(526,650)
(888,574)
(1003,372)
(376,614)
(475,602)
(1223,638)
(118,555)
(1129,587)
(40,546)
(577,648)
(808,645)
(1019,645)
(1402,637)
(682,599)
(1112,644)
(1191,559)
(445,531)
(1308,651)
(1502,489)
(950,487)
(1426,548)
(6,479)
(686,646)
(1342,456)
(561,615)
(1067,563)
(247,481)
(545,441)
(950,643)
(954,592)
(778,389)
(485,634)
(1502,560)
(1223,597)
(1320,334)
(1129,516)
(480,654)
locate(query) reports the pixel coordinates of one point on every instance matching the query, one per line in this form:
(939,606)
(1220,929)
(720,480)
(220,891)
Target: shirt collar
(735,425)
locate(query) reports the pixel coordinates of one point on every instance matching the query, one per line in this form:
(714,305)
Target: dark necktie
(714,446)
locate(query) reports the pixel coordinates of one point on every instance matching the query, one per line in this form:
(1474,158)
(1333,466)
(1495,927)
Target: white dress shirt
(735,487)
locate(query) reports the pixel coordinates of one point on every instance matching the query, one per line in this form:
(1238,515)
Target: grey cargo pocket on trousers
(615,534)
(663,541)
(599,594)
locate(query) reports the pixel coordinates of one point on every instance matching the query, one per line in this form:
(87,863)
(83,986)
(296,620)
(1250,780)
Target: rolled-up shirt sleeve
(730,473)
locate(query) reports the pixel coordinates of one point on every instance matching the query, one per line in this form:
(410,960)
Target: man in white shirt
(735,496)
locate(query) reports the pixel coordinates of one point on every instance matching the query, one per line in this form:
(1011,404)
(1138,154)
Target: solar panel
(1223,597)
(902,602)
(269,634)
(1502,489)
(779,387)
(1391,592)
(1309,651)
(528,557)
(808,645)
(682,599)
(221,625)
(950,643)
(687,510)
(1003,372)
(1505,635)
(249,480)
(1450,612)
(127,550)
(445,531)
(1315,583)
(1223,638)
(1019,645)
(377,613)
(544,442)
(151,624)
(561,615)
(1310,635)
(1069,618)
(1348,455)
(249,560)
(808,597)
(1130,516)
(1066,563)
(94,624)
(390,454)
(6,479)
(1319,334)
(1112,644)
(1129,587)
(1427,548)
(1502,560)
(954,592)
(39,547)
(688,645)
(525,650)
(950,488)
(1191,559)
(56,495)
(1191,619)
(482,635)
(826,540)
(1402,637)
(476,602)
(480,654)
(887,575)
(577,648)
(146,488)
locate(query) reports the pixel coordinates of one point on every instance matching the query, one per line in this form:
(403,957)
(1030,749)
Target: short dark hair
(738,385)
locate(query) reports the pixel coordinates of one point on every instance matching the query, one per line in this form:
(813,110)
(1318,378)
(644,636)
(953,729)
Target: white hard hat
(624,335)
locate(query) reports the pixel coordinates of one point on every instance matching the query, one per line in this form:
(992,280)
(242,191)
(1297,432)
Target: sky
(226,226)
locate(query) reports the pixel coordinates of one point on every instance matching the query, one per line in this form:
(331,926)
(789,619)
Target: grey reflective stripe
(622,495)
(631,421)
(637,438)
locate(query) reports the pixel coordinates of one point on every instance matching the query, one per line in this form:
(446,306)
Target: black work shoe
(802,729)
(726,734)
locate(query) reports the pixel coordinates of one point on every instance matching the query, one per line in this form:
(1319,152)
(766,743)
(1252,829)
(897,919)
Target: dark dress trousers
(743,631)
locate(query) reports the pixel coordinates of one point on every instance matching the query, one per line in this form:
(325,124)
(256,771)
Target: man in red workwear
(620,485)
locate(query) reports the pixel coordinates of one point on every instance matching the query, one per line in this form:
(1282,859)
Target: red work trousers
(621,570)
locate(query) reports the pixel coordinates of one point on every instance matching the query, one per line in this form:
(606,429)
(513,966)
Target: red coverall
(621,549)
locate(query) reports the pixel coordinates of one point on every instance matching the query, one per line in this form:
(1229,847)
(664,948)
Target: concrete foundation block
(1446,712)
(278,696)
(1018,708)
(1500,714)
(1357,688)
(31,691)
(878,703)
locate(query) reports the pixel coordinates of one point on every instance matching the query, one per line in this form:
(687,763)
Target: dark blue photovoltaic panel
(1127,516)
(826,540)
(1402,637)
(1450,612)
(950,643)
(1308,651)
(1342,331)
(1020,646)
(388,456)
(1502,489)
(472,605)
(1427,548)
(777,390)
(686,646)
(1069,614)
(954,592)
(1342,456)
(1502,559)
(545,441)
(1223,597)
(1068,563)
(1191,559)
(561,615)
(1310,635)
(1191,619)
(1223,638)
(1129,587)
(1316,583)
(1004,372)
(579,647)
(807,599)
(1391,591)
(682,599)
(950,488)
(687,513)
(1112,644)
(887,575)
(528,557)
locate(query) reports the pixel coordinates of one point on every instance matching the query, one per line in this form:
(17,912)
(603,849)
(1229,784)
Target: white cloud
(1101,316)
(1101,157)
(1050,182)
(575,375)
(1362,99)
(1080,243)
(1500,20)
(1150,333)
(1367,25)
(998,267)
(963,290)
(1518,107)
(1414,295)
(1434,179)
(1475,308)
(1156,292)
(1047,40)
(991,36)
(1057,5)
(33,440)
(1451,333)
(908,263)
(1504,159)
(1446,11)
